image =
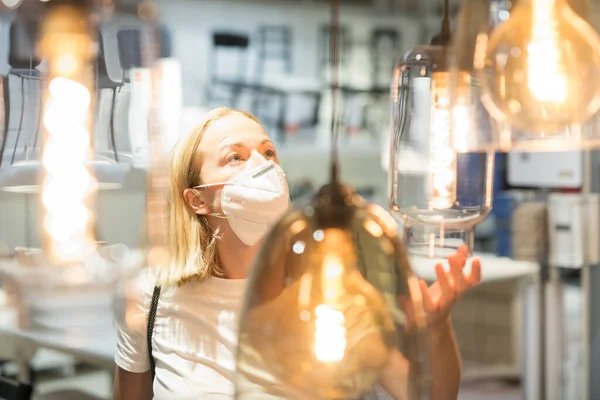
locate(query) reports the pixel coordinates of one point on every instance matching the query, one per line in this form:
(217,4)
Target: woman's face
(229,145)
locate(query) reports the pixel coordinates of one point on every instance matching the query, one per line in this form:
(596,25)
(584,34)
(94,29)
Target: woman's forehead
(232,128)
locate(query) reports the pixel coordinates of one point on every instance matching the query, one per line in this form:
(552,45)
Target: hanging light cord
(446,21)
(334,56)
(445,36)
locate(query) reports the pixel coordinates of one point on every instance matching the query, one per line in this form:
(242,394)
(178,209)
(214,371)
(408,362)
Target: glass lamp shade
(440,174)
(538,71)
(331,298)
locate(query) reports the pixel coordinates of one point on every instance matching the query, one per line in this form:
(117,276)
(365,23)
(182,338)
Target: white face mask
(253,200)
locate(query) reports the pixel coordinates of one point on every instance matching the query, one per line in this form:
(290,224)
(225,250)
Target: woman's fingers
(475,275)
(448,294)
(457,262)
(431,305)
(463,250)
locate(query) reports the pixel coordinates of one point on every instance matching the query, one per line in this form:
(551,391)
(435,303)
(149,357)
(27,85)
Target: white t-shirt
(194,339)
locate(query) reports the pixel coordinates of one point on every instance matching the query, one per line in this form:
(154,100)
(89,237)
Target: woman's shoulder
(139,286)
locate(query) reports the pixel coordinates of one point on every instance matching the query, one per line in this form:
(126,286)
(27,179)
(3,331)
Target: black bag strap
(151,317)
(13,390)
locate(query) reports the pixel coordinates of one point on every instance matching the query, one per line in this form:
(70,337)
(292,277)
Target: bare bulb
(540,70)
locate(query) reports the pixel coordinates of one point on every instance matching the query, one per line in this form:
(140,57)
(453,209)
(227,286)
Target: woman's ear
(194,201)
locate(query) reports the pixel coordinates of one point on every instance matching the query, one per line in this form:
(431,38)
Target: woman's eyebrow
(231,145)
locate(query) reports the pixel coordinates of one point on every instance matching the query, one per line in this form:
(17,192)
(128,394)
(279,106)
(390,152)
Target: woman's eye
(234,158)
(270,154)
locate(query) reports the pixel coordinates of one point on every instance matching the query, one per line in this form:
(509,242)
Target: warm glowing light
(545,76)
(68,183)
(330,334)
(541,72)
(65,156)
(442,164)
(330,331)
(66,64)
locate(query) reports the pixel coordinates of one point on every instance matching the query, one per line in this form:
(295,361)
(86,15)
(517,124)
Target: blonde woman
(215,229)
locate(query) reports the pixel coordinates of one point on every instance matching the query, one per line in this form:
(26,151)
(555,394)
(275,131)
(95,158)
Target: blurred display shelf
(360,166)
(493,268)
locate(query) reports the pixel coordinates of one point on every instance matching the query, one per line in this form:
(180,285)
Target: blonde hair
(191,240)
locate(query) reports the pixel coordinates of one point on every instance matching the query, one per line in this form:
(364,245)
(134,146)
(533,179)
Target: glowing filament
(67,148)
(68,181)
(442,164)
(546,80)
(330,330)
(330,334)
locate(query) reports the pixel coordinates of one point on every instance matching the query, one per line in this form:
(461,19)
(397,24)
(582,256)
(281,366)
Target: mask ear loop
(204,221)
(199,187)
(205,185)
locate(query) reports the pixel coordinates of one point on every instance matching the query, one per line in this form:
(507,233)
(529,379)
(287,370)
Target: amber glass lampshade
(331,300)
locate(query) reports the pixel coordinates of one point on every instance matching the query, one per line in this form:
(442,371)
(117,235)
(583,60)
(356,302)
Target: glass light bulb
(442,156)
(321,322)
(441,162)
(540,70)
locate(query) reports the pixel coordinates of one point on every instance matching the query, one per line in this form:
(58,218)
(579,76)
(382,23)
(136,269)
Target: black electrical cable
(334,55)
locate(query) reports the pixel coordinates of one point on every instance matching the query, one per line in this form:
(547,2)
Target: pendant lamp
(331,298)
(440,172)
(536,69)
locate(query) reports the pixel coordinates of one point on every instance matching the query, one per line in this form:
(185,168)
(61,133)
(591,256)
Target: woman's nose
(255,160)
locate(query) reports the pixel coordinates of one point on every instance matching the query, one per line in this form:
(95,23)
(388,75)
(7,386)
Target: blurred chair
(274,45)
(283,90)
(276,89)
(24,66)
(345,47)
(104,81)
(385,45)
(130,52)
(226,84)
(136,100)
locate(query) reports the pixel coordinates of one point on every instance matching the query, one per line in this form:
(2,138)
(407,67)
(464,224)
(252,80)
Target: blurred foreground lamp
(67,45)
(538,72)
(441,171)
(331,299)
(75,274)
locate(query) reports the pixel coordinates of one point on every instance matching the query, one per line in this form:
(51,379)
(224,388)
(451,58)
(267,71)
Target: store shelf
(493,268)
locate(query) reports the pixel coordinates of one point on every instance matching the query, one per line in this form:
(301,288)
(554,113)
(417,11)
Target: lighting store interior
(299,199)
